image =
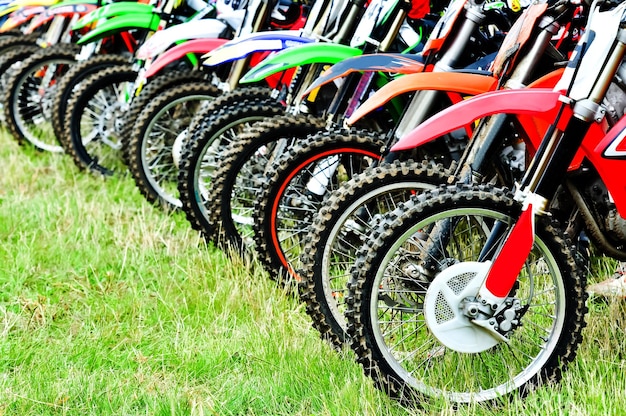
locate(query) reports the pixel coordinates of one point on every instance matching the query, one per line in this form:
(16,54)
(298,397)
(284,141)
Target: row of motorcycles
(432,178)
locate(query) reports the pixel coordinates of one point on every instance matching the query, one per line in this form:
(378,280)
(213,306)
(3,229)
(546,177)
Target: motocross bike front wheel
(199,128)
(242,171)
(295,187)
(413,311)
(150,91)
(149,152)
(204,152)
(9,60)
(94,120)
(74,76)
(339,229)
(28,102)
(12,43)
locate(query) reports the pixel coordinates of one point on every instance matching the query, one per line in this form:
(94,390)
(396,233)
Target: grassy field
(110,306)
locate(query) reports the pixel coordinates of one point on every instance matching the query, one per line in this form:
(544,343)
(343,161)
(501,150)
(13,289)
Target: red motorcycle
(472,292)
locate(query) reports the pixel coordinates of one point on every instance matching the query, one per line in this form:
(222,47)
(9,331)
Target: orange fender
(459,82)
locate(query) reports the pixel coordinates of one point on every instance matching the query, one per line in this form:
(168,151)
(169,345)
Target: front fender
(313,53)
(239,48)
(535,102)
(386,62)
(113,10)
(459,82)
(64,9)
(20,4)
(194,29)
(121,24)
(21,16)
(196,46)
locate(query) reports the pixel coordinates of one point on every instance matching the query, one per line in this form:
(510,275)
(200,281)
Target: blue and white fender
(243,46)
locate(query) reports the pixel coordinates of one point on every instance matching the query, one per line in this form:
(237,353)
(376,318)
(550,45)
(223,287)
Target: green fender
(121,24)
(311,53)
(113,10)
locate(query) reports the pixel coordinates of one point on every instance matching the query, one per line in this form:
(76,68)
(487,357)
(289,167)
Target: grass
(111,306)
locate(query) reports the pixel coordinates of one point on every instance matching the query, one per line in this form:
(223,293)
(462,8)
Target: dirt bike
(201,27)
(27,86)
(213,212)
(518,291)
(285,199)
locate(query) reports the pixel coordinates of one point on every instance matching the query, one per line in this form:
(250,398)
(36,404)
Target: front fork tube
(339,101)
(481,149)
(357,84)
(236,72)
(418,110)
(303,78)
(325,169)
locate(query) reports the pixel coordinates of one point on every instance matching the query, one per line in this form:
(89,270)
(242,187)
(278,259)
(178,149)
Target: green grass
(111,306)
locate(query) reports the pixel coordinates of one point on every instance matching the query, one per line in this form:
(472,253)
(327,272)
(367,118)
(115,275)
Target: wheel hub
(450,307)
(109,121)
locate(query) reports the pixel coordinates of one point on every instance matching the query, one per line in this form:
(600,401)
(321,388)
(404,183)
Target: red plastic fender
(68,11)
(538,102)
(198,46)
(21,16)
